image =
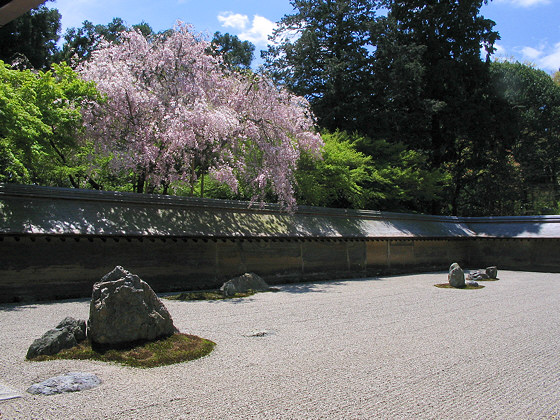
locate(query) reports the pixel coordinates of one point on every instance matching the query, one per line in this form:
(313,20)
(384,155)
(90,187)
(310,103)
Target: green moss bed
(207,295)
(212,295)
(165,351)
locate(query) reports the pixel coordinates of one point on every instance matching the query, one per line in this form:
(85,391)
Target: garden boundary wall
(56,243)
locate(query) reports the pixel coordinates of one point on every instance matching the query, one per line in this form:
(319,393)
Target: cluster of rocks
(123,309)
(456,276)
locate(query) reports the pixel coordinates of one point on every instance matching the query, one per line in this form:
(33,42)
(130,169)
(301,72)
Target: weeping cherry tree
(174,113)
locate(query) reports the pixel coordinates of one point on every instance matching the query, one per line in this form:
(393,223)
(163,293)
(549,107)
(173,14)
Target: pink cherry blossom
(174,112)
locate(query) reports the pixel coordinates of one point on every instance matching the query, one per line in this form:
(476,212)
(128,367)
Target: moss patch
(448,286)
(166,351)
(212,295)
(207,295)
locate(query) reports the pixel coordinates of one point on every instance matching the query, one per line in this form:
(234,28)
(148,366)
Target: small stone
(259,333)
(471,283)
(456,276)
(66,335)
(243,284)
(71,382)
(478,275)
(492,272)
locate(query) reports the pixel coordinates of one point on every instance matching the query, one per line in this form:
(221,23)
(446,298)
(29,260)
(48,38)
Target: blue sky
(530,29)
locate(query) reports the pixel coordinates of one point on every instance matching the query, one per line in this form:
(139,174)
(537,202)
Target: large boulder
(68,333)
(125,309)
(456,276)
(243,284)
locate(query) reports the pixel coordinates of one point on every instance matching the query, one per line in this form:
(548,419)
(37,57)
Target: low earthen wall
(54,245)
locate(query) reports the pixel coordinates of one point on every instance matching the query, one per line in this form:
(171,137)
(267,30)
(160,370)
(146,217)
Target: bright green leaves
(39,123)
(388,177)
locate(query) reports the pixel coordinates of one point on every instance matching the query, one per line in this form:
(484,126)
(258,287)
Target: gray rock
(76,326)
(243,284)
(471,283)
(492,272)
(124,309)
(456,276)
(71,382)
(478,275)
(66,335)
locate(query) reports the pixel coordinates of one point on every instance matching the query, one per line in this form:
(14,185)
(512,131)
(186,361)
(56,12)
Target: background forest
(413,113)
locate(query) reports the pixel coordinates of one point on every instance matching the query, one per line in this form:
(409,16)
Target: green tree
(394,178)
(323,52)
(535,100)
(234,52)
(338,179)
(39,123)
(30,40)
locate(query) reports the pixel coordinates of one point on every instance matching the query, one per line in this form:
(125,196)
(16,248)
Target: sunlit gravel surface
(393,347)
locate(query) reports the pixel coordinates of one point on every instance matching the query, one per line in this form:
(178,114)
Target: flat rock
(71,382)
(478,275)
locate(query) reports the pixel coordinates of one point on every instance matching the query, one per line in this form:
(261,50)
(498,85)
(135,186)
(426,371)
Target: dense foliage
(40,121)
(413,113)
(30,40)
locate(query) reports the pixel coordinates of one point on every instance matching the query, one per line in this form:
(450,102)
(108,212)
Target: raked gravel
(392,347)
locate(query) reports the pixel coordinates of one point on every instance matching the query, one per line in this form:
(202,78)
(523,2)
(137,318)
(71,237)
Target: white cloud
(255,31)
(525,3)
(233,20)
(551,61)
(531,53)
(259,31)
(544,57)
(500,50)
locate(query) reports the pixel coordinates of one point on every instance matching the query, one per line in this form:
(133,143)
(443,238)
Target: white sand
(395,347)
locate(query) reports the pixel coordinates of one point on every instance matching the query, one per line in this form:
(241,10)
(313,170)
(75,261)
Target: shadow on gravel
(13,307)
(323,286)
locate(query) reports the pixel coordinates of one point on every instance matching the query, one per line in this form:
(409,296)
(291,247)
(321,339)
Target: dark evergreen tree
(30,40)
(534,99)
(235,53)
(80,43)
(323,52)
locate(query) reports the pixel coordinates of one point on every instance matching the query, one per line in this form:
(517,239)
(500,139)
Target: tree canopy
(39,124)
(234,52)
(414,114)
(30,40)
(175,113)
